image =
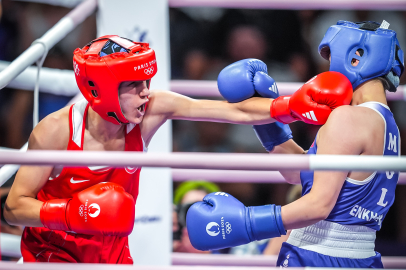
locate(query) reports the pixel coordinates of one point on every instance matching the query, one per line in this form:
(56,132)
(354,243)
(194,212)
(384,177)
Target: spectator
(185,195)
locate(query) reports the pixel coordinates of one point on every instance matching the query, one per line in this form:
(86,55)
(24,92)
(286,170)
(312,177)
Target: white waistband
(336,240)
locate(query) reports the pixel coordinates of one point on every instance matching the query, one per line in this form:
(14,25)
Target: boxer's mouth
(141,108)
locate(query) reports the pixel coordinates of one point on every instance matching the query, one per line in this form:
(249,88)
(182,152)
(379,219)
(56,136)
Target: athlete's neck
(369,91)
(101,129)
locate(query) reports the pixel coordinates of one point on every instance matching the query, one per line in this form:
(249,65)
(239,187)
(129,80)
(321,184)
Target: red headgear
(99,77)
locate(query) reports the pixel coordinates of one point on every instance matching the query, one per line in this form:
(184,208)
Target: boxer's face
(133,96)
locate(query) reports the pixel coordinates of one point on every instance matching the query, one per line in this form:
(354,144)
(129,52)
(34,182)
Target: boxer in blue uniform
(334,223)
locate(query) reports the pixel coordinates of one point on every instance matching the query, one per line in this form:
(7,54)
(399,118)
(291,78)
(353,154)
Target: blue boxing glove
(221,221)
(240,81)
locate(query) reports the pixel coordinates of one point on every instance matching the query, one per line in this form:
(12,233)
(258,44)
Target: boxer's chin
(135,119)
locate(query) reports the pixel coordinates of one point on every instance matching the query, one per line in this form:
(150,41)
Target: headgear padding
(379,49)
(106,62)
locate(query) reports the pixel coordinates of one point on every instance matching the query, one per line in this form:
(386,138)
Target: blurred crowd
(202,42)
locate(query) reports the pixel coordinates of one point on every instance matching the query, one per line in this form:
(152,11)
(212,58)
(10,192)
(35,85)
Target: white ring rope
(53,81)
(219,176)
(62,82)
(8,170)
(40,62)
(11,247)
(239,176)
(220,161)
(50,38)
(254,260)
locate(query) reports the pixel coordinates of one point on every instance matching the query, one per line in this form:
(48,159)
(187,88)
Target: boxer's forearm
(23,211)
(22,207)
(304,212)
(251,111)
(175,106)
(318,203)
(289,147)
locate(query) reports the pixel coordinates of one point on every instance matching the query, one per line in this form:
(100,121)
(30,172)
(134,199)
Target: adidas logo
(310,115)
(221,194)
(273,88)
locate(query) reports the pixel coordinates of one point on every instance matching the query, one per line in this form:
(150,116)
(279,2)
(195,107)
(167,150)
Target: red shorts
(43,245)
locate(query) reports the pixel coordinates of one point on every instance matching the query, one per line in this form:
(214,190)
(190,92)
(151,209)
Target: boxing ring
(231,168)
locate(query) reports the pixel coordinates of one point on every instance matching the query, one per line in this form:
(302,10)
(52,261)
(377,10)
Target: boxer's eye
(355,62)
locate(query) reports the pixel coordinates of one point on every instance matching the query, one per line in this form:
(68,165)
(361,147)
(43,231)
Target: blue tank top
(365,202)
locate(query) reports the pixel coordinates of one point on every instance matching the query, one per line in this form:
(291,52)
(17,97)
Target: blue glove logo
(274,89)
(228,227)
(213,229)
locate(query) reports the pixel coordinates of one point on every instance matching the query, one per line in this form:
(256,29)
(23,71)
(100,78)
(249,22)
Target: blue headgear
(379,49)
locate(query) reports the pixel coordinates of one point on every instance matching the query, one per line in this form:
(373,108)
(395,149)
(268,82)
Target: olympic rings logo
(228,227)
(76,68)
(81,210)
(149,71)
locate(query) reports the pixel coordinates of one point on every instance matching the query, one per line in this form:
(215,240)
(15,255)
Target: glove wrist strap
(53,214)
(280,110)
(265,222)
(271,135)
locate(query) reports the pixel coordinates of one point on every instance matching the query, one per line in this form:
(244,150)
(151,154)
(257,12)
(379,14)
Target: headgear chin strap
(106,62)
(379,49)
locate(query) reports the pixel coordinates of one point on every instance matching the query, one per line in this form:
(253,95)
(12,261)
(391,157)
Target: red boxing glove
(315,100)
(103,209)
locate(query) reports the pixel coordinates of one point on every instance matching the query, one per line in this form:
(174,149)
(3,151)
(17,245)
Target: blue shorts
(291,256)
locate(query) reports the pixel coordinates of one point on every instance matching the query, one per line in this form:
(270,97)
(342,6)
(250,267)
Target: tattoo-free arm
(22,207)
(289,147)
(175,106)
(337,137)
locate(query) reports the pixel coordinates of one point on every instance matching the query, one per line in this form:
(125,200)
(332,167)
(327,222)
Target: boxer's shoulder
(164,103)
(356,116)
(52,133)
(161,97)
(350,127)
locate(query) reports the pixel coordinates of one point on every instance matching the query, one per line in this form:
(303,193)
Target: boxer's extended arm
(22,207)
(251,111)
(343,134)
(164,105)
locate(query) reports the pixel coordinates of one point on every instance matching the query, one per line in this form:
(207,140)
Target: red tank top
(39,244)
(72,179)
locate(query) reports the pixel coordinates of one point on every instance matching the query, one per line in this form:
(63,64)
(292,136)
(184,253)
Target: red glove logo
(131,170)
(81,210)
(310,115)
(94,210)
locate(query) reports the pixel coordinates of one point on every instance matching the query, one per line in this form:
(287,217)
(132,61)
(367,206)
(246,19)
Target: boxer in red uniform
(85,214)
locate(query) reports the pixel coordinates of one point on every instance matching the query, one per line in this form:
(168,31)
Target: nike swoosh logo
(77,181)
